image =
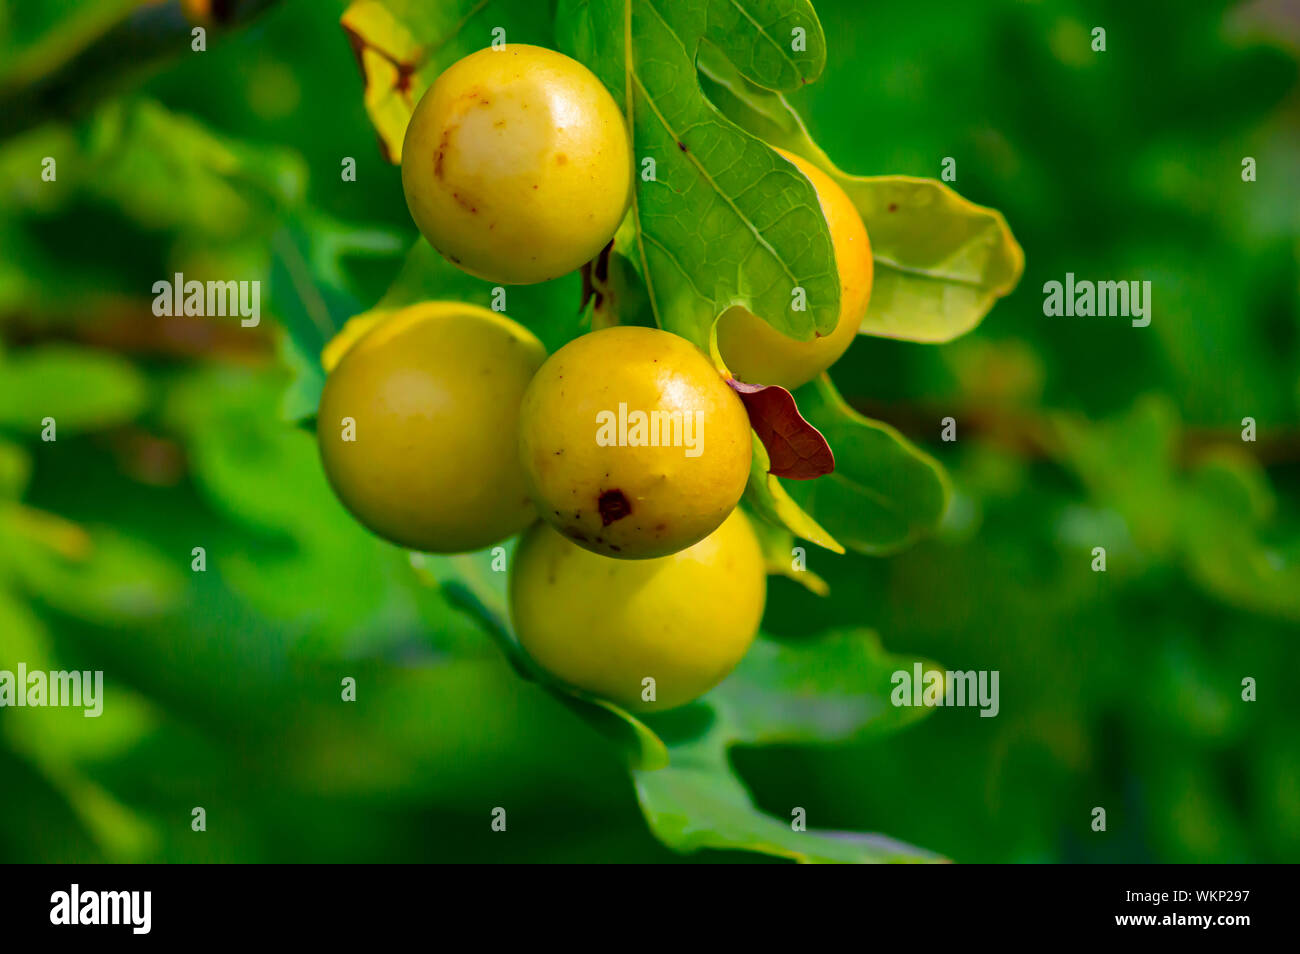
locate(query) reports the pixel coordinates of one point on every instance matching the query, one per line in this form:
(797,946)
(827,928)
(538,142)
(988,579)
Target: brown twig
(129,327)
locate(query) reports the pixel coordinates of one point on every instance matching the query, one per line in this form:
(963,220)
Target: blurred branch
(1029,433)
(130,327)
(118,59)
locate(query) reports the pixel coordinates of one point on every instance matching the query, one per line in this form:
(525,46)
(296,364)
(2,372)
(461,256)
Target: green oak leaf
(828,689)
(720,219)
(218,187)
(697,802)
(227,197)
(884,492)
(1128,463)
(1215,518)
(296,539)
(80,388)
(1228,505)
(777,542)
(941,262)
(833,687)
(100,576)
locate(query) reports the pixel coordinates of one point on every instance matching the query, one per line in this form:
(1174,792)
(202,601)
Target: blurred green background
(1120,689)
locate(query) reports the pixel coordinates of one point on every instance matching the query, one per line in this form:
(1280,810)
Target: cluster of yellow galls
(445,428)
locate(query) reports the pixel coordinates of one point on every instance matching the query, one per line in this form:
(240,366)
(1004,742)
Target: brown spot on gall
(613,505)
(444,143)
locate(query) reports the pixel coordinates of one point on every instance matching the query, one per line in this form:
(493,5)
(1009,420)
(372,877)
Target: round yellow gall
(516,164)
(632,443)
(625,630)
(417,426)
